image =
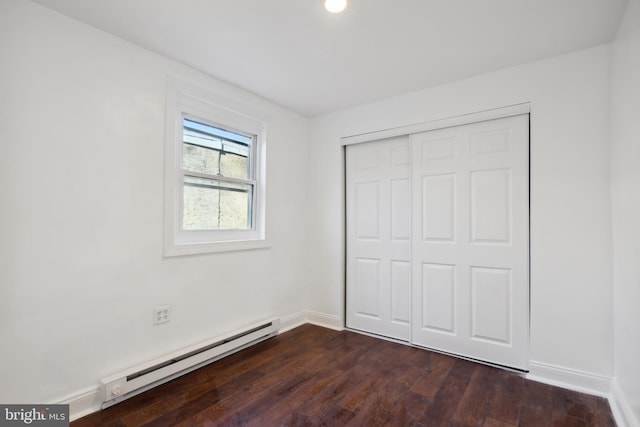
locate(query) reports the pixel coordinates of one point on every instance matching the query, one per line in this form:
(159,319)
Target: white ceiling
(298,55)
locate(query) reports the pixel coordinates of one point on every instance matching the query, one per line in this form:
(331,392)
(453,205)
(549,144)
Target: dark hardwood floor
(312,376)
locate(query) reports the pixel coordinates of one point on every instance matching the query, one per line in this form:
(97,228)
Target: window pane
(234,166)
(215,151)
(216,205)
(200,159)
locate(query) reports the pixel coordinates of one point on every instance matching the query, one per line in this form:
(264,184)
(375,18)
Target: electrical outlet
(162,314)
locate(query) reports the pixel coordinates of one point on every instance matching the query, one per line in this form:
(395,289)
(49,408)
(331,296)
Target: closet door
(378,237)
(470,222)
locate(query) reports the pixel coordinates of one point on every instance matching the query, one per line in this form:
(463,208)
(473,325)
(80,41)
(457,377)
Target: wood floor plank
(445,402)
(569,403)
(326,400)
(538,395)
(593,410)
(312,376)
(534,416)
(436,371)
(559,419)
(408,411)
(474,405)
(506,396)
(493,422)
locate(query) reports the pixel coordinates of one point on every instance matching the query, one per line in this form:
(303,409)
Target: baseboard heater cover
(123,385)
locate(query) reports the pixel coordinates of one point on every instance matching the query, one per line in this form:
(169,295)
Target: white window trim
(187,100)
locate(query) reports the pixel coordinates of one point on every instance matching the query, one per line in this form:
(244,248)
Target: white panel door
(379,237)
(470,222)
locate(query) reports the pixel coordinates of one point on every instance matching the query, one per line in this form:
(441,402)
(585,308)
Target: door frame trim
(465,119)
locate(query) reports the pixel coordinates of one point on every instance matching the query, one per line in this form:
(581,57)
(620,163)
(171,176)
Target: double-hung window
(214,169)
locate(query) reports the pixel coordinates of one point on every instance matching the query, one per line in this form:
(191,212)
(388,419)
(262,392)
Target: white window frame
(185,100)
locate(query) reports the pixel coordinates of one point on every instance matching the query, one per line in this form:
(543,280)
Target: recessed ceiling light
(335,6)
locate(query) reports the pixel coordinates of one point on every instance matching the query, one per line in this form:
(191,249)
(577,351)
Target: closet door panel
(470,273)
(379,238)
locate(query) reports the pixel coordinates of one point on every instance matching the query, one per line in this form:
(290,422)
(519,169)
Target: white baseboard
(292,321)
(326,320)
(621,408)
(300,318)
(572,379)
(83,403)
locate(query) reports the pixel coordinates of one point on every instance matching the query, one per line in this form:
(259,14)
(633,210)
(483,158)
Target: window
(214,182)
(218,184)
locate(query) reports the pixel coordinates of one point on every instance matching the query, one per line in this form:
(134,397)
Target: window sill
(173,250)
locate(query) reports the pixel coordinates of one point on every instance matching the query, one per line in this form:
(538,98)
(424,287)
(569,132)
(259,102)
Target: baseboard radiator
(123,385)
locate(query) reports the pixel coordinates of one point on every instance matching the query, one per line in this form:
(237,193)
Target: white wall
(81,184)
(571,290)
(625,113)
